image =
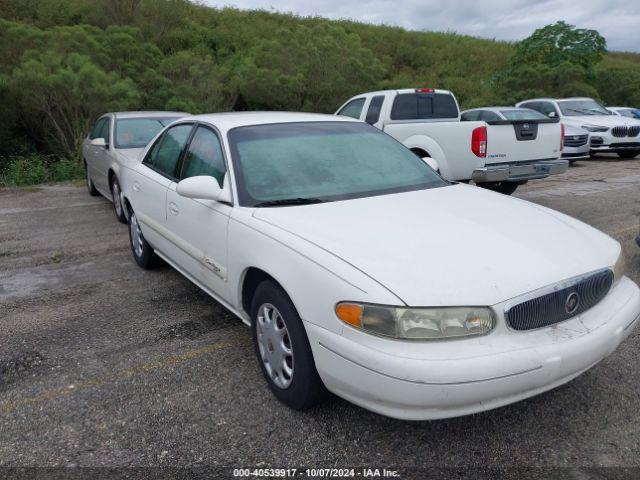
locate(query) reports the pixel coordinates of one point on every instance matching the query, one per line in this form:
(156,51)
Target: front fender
(314,279)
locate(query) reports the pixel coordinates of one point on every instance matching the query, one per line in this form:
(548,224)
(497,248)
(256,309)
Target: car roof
(497,109)
(149,114)
(547,99)
(229,120)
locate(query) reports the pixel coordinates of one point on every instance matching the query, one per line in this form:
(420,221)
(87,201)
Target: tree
(60,95)
(561,43)
(556,60)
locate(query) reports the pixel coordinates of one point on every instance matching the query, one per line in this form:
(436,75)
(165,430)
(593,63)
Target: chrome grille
(566,301)
(575,140)
(633,131)
(619,131)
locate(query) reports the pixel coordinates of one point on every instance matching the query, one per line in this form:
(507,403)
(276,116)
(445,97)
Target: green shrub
(25,170)
(65,169)
(34,169)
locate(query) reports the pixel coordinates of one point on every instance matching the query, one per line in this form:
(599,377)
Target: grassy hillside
(63,62)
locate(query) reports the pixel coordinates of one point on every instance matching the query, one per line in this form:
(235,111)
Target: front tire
(143,254)
(282,348)
(629,153)
(118,209)
(90,186)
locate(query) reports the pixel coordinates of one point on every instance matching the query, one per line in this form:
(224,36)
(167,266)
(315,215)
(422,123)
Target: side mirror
(205,187)
(99,142)
(551,114)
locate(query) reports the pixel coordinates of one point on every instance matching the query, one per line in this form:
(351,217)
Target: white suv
(609,133)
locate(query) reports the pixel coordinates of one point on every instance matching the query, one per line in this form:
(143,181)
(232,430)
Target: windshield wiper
(289,201)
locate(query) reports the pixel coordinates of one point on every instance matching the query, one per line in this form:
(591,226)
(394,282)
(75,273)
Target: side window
(204,156)
(166,152)
(470,116)
(353,108)
(104,131)
(546,108)
(489,116)
(532,105)
(373,113)
(95,132)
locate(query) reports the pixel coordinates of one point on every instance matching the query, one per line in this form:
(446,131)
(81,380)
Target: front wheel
(283,350)
(628,153)
(142,251)
(117,200)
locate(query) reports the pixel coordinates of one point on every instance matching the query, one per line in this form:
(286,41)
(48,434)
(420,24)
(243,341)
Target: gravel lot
(102,363)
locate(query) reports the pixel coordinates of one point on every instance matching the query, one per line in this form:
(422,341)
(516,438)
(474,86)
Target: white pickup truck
(499,154)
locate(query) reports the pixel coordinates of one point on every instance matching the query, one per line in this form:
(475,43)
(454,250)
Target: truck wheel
(628,153)
(506,188)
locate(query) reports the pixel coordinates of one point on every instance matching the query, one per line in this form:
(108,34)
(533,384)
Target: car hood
(129,155)
(601,120)
(454,245)
(570,130)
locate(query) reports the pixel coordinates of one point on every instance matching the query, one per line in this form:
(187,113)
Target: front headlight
(619,268)
(595,128)
(417,323)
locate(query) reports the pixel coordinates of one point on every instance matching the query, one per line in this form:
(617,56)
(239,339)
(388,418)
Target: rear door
(92,153)
(102,159)
(521,137)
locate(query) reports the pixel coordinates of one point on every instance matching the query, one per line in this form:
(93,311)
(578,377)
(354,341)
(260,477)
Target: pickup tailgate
(514,141)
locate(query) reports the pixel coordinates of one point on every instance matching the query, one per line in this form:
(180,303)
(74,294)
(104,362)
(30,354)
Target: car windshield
(574,108)
(522,114)
(312,162)
(629,112)
(137,132)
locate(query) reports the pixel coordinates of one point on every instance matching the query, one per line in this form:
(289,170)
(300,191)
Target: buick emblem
(572,303)
(525,126)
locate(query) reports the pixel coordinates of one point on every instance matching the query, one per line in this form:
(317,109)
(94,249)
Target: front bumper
(431,380)
(613,144)
(519,172)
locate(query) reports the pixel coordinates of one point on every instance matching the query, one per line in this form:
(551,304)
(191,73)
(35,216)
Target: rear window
(523,114)
(423,106)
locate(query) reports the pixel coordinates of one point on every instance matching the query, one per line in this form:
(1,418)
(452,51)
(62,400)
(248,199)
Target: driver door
(199,227)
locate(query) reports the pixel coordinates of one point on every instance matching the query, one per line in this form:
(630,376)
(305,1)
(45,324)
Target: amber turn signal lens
(350,313)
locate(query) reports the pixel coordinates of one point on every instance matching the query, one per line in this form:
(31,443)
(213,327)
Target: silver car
(118,138)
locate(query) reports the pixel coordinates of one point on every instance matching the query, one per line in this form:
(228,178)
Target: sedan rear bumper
(472,376)
(519,172)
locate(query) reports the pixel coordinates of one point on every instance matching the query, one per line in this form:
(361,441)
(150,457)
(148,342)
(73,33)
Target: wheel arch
(250,279)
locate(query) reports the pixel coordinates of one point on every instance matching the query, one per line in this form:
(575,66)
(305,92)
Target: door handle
(136,187)
(173,208)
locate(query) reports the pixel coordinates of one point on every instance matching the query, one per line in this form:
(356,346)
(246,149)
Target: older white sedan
(362,272)
(115,139)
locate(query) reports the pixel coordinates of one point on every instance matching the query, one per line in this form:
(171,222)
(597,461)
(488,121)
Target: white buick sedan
(363,273)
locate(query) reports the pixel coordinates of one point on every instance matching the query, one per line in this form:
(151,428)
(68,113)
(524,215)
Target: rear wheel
(142,251)
(90,186)
(507,188)
(283,350)
(629,153)
(117,200)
